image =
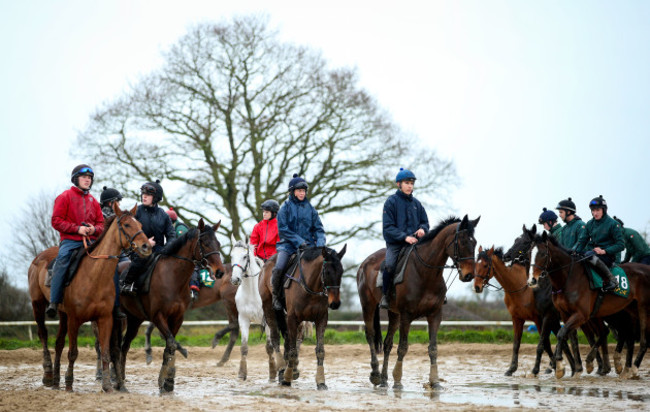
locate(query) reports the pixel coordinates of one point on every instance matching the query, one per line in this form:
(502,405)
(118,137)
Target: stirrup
(194,295)
(384,304)
(129,289)
(277,305)
(610,286)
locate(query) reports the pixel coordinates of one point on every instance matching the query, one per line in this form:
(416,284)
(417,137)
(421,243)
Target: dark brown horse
(89,297)
(523,303)
(319,273)
(223,290)
(576,301)
(169,293)
(422,293)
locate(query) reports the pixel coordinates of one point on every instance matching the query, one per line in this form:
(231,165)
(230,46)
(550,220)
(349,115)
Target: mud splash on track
(472,374)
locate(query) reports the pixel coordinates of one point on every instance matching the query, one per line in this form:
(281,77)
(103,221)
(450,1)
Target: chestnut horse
(422,293)
(315,289)
(169,293)
(575,300)
(223,290)
(523,303)
(89,297)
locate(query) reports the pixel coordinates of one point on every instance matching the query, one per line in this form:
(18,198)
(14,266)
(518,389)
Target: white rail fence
(331,323)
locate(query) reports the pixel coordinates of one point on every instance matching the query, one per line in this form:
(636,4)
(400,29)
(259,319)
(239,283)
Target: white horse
(246,268)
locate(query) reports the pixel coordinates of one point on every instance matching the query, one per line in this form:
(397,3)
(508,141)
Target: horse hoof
(548,370)
(285,383)
(168,386)
(68,388)
(98,376)
(559,373)
(220,363)
(576,375)
(242,376)
(48,380)
(508,373)
(321,387)
(149,359)
(375,378)
(398,386)
(296,374)
(432,386)
(590,367)
(214,343)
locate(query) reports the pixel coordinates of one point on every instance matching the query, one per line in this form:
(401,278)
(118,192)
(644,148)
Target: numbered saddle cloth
(205,279)
(623,289)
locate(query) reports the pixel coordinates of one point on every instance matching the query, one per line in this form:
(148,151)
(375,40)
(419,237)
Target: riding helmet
(271,206)
(598,202)
(547,216)
(80,170)
(297,183)
(566,204)
(404,174)
(154,189)
(109,194)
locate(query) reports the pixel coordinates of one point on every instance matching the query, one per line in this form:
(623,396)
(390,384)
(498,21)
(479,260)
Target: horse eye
(127,225)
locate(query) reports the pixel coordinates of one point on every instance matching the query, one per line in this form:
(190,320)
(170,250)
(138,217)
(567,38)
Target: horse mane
(312,253)
(175,245)
(498,252)
(554,242)
(443,224)
(107,223)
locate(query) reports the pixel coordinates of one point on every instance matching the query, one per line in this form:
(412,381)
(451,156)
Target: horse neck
(558,270)
(435,253)
(316,266)
(183,269)
(109,244)
(510,278)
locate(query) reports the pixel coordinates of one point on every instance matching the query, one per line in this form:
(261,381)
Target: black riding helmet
(154,189)
(598,202)
(109,195)
(80,170)
(271,206)
(567,205)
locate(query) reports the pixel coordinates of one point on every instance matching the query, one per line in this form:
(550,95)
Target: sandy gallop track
(472,373)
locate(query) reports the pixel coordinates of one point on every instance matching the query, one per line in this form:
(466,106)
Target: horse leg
(269,352)
(98,371)
(245,325)
(38,307)
(58,347)
(517,328)
(147,342)
(133,324)
(290,351)
(73,351)
(544,331)
(575,348)
(299,337)
(320,353)
(434,324)
(368,319)
(643,346)
(274,338)
(105,328)
(393,324)
(116,355)
(234,334)
(402,348)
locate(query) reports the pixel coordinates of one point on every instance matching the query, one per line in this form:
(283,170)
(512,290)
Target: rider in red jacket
(265,233)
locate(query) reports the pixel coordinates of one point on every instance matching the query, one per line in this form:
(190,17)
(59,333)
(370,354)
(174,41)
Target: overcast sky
(534,101)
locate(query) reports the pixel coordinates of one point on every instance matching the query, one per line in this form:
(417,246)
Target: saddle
(402,258)
(143,278)
(75,260)
(291,266)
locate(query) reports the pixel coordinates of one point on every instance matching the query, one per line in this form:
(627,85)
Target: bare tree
(234,112)
(14,302)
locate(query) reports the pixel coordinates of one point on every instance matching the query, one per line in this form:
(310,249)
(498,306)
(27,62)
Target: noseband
(244,269)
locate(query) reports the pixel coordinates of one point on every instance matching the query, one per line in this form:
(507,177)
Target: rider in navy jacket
(404,221)
(299,227)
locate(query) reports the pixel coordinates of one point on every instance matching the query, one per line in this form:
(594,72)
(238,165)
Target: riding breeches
(66,249)
(392,253)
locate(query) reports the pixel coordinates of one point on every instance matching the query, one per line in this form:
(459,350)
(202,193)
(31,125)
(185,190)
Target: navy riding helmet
(404,174)
(547,216)
(297,183)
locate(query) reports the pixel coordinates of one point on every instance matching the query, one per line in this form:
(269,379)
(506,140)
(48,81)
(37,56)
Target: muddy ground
(472,373)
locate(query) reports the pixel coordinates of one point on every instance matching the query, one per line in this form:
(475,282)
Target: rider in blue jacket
(299,227)
(404,221)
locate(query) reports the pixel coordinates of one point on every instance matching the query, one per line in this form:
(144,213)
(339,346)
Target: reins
(486,278)
(301,279)
(120,232)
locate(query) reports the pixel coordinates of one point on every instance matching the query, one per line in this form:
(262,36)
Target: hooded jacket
(298,223)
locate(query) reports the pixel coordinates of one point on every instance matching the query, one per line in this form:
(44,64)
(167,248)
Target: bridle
(125,250)
(247,265)
(486,277)
(301,279)
(454,257)
(202,261)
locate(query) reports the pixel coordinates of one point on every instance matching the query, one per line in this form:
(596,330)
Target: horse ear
(342,252)
(216,226)
(464,222)
(474,222)
(116,210)
(523,228)
(544,236)
(201,225)
(232,239)
(533,230)
(135,209)
(492,250)
(480,249)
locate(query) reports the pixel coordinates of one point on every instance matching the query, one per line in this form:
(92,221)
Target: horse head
(332,274)
(209,249)
(483,268)
(464,245)
(520,250)
(240,262)
(129,232)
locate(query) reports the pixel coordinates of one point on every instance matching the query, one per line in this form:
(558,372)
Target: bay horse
(169,293)
(222,290)
(421,293)
(575,300)
(316,287)
(89,297)
(594,330)
(523,303)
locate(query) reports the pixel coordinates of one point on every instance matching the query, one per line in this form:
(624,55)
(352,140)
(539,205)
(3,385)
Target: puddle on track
(469,382)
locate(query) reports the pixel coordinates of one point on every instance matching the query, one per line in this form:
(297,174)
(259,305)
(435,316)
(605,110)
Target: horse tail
(282,322)
(378,341)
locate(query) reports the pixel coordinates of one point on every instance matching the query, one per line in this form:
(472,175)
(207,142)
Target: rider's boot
(117,313)
(52,310)
(128,285)
(387,283)
(194,292)
(276,283)
(609,281)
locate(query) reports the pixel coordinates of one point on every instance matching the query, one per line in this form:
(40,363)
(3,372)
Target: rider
(156,225)
(179,227)
(636,248)
(548,219)
(76,214)
(601,241)
(265,233)
(404,221)
(299,227)
(573,225)
(108,198)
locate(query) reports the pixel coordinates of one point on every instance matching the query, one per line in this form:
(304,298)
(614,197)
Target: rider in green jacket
(601,241)
(636,248)
(573,225)
(548,219)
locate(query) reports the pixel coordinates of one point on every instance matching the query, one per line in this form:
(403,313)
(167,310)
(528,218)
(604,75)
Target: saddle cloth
(399,268)
(75,260)
(623,289)
(143,279)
